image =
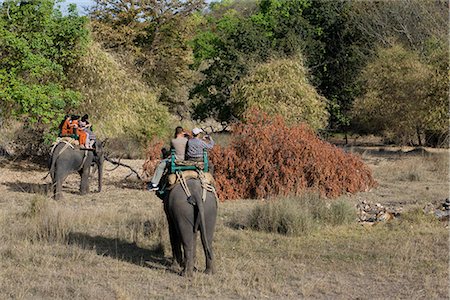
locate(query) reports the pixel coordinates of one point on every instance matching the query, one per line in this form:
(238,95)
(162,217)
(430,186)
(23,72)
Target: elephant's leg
(187,239)
(175,240)
(59,177)
(185,225)
(175,243)
(210,220)
(84,185)
(57,188)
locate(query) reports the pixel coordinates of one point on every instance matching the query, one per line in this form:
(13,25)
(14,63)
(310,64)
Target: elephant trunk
(100,174)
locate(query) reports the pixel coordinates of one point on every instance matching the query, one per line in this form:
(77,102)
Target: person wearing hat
(196,144)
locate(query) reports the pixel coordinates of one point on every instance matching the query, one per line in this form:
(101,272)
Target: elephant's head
(99,158)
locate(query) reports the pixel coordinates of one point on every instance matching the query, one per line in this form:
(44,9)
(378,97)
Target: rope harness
(66,146)
(206,186)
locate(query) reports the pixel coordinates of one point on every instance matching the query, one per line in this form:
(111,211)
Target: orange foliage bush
(266,157)
(152,158)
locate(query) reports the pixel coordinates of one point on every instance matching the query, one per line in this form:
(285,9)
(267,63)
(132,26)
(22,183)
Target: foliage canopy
(404,96)
(37,45)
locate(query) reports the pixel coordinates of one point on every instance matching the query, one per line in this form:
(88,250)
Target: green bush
(37,45)
(281,87)
(299,215)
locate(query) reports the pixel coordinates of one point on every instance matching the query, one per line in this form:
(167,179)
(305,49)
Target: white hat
(196,131)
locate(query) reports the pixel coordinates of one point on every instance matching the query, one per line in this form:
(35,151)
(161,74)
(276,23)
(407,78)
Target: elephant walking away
(67,159)
(187,216)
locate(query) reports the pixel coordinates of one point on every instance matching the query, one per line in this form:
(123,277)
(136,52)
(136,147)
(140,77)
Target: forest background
(140,68)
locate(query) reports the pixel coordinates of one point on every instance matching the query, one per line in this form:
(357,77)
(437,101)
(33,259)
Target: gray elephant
(185,216)
(67,159)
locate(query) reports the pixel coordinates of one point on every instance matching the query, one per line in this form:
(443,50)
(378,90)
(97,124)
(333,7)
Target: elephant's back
(179,194)
(69,157)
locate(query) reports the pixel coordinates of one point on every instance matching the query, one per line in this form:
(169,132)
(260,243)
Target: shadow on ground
(124,251)
(23,165)
(27,187)
(381,151)
(131,184)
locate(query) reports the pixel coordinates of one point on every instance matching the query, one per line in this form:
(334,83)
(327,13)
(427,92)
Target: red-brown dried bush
(152,158)
(266,157)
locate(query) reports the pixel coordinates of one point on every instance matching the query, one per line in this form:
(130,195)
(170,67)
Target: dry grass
(114,245)
(296,216)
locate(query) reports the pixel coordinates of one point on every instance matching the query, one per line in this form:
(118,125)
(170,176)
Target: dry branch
(118,163)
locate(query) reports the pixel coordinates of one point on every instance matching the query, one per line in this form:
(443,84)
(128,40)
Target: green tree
(236,39)
(37,45)
(121,105)
(399,99)
(152,37)
(281,87)
(228,45)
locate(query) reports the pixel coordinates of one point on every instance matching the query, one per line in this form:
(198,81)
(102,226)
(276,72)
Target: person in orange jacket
(82,135)
(65,128)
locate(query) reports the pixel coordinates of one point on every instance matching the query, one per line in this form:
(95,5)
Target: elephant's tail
(201,214)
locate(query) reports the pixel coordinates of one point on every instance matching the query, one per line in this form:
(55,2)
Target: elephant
(185,215)
(66,159)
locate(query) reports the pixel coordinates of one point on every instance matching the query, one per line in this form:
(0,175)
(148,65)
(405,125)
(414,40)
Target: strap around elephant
(84,159)
(185,187)
(206,186)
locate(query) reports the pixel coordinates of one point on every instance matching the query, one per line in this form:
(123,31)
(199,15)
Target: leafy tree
(37,45)
(225,49)
(319,30)
(121,104)
(399,99)
(281,87)
(438,119)
(408,22)
(152,37)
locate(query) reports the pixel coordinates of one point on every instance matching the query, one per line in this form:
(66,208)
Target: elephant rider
(179,144)
(197,144)
(85,125)
(64,127)
(82,135)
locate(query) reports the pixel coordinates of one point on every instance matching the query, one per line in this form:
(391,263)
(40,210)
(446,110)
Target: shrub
(46,222)
(267,157)
(404,97)
(281,87)
(341,212)
(299,215)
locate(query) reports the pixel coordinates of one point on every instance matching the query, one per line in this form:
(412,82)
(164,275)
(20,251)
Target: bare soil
(114,244)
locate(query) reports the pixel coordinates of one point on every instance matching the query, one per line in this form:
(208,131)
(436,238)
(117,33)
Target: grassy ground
(114,244)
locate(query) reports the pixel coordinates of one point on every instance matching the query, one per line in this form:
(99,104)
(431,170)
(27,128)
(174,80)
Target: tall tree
(399,99)
(152,36)
(37,45)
